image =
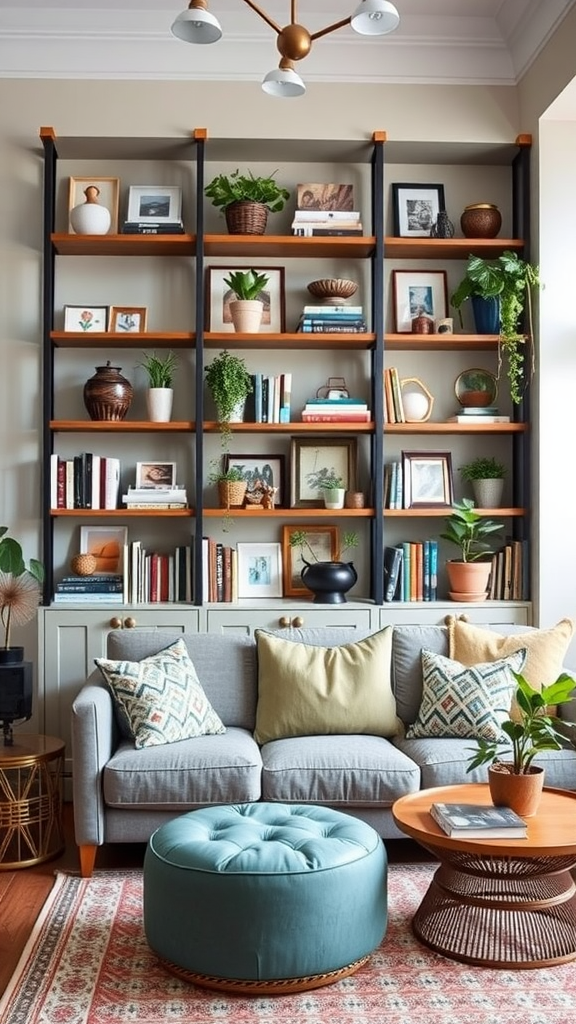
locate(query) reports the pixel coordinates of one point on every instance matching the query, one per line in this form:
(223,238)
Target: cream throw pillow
(546,648)
(314,691)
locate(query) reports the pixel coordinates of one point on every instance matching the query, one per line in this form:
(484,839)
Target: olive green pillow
(313,691)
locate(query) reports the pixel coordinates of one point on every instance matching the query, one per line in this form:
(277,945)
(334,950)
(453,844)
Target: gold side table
(31,829)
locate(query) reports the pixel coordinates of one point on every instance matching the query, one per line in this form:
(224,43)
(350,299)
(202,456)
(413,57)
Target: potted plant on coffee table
(160,394)
(513,778)
(19,592)
(246,200)
(247,309)
(230,384)
(468,576)
(486,475)
(329,581)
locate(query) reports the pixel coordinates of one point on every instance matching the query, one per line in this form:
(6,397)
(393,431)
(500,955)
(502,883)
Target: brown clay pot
(107,395)
(468,581)
(481,220)
(520,792)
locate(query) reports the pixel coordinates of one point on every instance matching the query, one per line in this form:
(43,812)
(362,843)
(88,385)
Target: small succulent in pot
(247,285)
(483,468)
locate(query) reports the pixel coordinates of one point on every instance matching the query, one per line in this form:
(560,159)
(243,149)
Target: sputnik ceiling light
(370,18)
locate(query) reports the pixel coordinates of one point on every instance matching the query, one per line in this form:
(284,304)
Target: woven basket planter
(245,218)
(231,493)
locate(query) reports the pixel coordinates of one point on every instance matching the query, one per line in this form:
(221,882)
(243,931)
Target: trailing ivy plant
(230,384)
(511,280)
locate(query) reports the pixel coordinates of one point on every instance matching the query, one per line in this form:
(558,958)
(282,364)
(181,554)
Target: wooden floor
(22,893)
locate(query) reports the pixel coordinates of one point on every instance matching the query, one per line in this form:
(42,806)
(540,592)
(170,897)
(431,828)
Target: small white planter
(159,404)
(334,497)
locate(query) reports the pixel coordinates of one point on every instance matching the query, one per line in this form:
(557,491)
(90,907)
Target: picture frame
(325,196)
(416,208)
(314,459)
(86,319)
(155,474)
(427,477)
(259,569)
(324,543)
(418,293)
(154,204)
(107,544)
(270,469)
(128,319)
(219,296)
(109,189)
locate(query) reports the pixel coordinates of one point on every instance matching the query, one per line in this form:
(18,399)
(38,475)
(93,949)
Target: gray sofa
(122,794)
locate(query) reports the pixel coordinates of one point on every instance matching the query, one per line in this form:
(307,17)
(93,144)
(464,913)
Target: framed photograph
(416,208)
(317,459)
(427,479)
(219,296)
(155,474)
(109,192)
(418,293)
(128,319)
(86,319)
(323,541)
(154,204)
(325,196)
(106,543)
(258,470)
(259,570)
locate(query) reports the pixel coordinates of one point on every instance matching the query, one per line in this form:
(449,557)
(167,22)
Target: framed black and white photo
(316,460)
(108,195)
(106,544)
(219,296)
(128,319)
(427,479)
(259,570)
(321,545)
(155,474)
(418,293)
(86,319)
(154,204)
(261,472)
(416,208)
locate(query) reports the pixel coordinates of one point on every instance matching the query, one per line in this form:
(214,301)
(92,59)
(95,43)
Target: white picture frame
(219,296)
(86,319)
(155,474)
(259,569)
(107,544)
(154,204)
(418,293)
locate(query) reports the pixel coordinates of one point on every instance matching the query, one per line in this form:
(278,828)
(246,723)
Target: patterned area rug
(88,963)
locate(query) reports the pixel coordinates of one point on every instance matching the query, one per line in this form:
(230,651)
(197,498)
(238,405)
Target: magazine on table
(478,821)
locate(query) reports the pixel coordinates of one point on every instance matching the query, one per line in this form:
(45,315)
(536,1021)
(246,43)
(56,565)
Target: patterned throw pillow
(160,699)
(465,702)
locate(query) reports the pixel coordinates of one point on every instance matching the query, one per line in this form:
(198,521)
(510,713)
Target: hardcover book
(478,821)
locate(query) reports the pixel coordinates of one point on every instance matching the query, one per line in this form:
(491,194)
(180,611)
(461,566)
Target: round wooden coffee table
(497,902)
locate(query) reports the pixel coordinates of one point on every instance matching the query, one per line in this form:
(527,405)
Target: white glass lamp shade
(375,18)
(284,83)
(197,26)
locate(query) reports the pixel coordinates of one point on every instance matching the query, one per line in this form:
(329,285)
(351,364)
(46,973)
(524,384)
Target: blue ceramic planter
(486,314)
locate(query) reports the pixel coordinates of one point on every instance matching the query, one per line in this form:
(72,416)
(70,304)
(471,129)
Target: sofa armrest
(94,735)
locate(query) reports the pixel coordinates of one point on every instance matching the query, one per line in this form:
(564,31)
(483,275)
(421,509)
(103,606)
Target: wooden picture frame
(418,293)
(109,189)
(155,474)
(259,569)
(416,208)
(324,543)
(107,544)
(314,459)
(154,204)
(427,478)
(128,319)
(270,469)
(86,319)
(219,296)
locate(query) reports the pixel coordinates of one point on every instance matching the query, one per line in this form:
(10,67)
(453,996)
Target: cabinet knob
(115,623)
(284,622)
(129,622)
(298,622)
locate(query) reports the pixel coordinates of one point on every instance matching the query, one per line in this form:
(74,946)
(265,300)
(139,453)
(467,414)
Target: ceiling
(438,41)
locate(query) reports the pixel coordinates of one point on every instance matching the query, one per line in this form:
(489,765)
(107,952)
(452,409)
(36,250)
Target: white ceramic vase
(334,497)
(90,218)
(159,404)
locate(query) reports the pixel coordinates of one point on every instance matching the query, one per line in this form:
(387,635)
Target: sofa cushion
(465,701)
(160,698)
(407,645)
(337,771)
(306,690)
(546,648)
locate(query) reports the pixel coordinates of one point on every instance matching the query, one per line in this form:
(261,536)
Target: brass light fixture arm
(265,17)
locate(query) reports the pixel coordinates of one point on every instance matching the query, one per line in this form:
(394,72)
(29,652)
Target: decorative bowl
(332,289)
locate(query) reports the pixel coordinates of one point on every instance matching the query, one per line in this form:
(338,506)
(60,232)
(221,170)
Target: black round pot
(329,581)
(11,655)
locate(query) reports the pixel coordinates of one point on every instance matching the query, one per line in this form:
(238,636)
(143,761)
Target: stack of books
(85,481)
(136,227)
(90,589)
(322,223)
(477,821)
(411,571)
(393,405)
(152,576)
(478,414)
(332,319)
(336,410)
(156,497)
(270,400)
(509,576)
(219,571)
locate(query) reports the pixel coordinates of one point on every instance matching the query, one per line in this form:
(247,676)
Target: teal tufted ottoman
(265,898)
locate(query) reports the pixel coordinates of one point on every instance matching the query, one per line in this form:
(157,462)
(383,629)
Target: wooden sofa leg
(87,860)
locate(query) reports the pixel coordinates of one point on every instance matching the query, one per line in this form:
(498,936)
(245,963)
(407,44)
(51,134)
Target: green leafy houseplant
(333,483)
(160,370)
(469,531)
(299,539)
(226,189)
(19,585)
(246,284)
(511,280)
(230,384)
(535,731)
(483,468)
(232,475)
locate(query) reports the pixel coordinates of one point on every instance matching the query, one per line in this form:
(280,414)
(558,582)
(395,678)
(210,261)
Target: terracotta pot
(520,792)
(468,581)
(247,315)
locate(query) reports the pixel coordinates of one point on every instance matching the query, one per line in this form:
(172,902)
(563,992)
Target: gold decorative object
(83,565)
(332,290)
(417,404)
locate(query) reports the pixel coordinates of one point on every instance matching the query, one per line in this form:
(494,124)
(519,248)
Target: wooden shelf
(104,339)
(289,513)
(123,245)
(121,426)
(440,342)
(122,513)
(333,341)
(448,248)
(290,246)
(455,428)
(427,513)
(212,427)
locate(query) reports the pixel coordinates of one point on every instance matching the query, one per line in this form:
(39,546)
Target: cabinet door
(490,613)
(246,620)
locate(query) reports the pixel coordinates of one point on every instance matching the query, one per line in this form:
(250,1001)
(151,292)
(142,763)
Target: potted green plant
(230,384)
(160,394)
(246,200)
(508,281)
(247,309)
(513,778)
(19,592)
(329,581)
(486,475)
(468,576)
(231,485)
(334,492)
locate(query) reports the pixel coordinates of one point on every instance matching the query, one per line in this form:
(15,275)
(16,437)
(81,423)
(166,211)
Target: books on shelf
(135,227)
(86,481)
(477,821)
(394,407)
(411,571)
(324,310)
(332,320)
(271,399)
(336,410)
(463,418)
(155,497)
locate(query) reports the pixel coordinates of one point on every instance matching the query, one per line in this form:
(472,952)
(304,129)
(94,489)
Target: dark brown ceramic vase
(107,395)
(481,220)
